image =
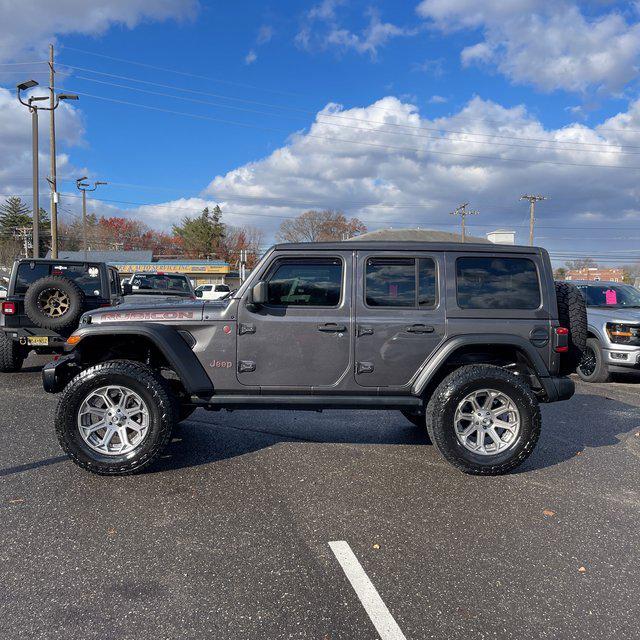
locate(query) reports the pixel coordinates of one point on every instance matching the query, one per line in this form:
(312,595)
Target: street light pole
(33,109)
(36,179)
(83,186)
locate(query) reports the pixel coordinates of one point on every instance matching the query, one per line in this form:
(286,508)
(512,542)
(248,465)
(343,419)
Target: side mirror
(126,289)
(259,293)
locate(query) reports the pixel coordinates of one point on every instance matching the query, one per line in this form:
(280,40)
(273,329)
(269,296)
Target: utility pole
(83,186)
(463,212)
(532,212)
(33,109)
(53,182)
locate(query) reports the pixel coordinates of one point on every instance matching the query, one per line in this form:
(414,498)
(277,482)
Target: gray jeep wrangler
(463,339)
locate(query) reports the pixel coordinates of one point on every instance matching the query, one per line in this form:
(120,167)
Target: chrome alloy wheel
(53,302)
(487,422)
(113,420)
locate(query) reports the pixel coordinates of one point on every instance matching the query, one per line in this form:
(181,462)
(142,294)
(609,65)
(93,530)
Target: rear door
(301,338)
(400,315)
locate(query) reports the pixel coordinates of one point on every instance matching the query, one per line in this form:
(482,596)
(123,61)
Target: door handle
(419,328)
(332,327)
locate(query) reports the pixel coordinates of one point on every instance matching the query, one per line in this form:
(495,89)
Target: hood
(613,315)
(157,309)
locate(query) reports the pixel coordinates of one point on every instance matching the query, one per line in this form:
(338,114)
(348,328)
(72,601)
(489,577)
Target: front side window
(311,283)
(497,283)
(391,282)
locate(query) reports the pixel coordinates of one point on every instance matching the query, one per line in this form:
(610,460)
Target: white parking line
(373,604)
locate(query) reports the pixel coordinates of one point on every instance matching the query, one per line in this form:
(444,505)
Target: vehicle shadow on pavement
(586,421)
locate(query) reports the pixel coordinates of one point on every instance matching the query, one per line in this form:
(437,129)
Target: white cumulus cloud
(550,45)
(28,26)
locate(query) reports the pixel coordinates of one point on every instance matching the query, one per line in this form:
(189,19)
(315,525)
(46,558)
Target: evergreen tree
(14,214)
(201,236)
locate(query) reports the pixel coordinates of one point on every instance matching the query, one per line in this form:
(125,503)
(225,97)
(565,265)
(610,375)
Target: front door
(400,317)
(301,338)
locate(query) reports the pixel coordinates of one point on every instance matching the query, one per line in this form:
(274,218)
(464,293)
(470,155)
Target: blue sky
(435,102)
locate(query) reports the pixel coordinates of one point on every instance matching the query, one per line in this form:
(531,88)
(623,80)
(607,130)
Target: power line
(358,142)
(374,130)
(181,73)
(343,116)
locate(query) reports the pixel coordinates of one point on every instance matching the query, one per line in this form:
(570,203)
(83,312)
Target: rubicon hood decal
(126,316)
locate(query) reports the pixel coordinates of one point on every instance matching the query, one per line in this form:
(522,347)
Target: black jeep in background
(44,302)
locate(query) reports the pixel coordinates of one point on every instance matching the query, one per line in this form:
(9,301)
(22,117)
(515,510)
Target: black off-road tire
(34,297)
(153,390)
(572,314)
(453,389)
(593,368)
(12,355)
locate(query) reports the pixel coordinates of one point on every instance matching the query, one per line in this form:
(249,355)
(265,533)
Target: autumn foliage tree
(318,226)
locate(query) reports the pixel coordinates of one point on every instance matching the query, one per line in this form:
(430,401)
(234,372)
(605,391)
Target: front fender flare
(168,341)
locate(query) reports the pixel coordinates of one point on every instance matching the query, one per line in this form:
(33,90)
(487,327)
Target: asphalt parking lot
(229,536)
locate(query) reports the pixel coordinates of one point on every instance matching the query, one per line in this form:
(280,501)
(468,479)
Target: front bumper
(57,374)
(621,358)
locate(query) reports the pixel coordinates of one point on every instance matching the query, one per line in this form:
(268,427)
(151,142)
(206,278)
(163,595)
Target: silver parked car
(613,343)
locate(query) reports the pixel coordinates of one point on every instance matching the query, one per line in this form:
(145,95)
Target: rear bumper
(24,336)
(56,374)
(558,388)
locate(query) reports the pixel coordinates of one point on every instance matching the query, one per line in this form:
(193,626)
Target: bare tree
(318,226)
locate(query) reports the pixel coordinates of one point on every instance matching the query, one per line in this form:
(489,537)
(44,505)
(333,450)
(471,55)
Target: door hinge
(246,366)
(246,328)
(364,331)
(364,367)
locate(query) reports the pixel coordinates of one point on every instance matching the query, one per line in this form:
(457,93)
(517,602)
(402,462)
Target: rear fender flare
(168,341)
(433,365)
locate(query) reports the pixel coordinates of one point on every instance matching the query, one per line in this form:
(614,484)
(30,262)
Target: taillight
(562,340)
(8,308)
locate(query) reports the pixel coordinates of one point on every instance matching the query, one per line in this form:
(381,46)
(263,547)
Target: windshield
(161,282)
(618,295)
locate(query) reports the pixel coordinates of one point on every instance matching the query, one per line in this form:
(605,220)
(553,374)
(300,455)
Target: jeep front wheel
(115,418)
(484,420)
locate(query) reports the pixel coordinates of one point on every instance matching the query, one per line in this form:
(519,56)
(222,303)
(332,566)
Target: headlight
(623,333)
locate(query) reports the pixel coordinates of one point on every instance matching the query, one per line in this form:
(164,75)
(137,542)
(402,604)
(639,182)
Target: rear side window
(312,283)
(497,283)
(88,279)
(400,282)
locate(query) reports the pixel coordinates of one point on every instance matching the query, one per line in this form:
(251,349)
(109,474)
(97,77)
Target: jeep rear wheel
(483,420)
(115,418)
(12,355)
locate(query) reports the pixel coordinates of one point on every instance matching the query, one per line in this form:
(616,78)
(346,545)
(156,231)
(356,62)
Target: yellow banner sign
(173,268)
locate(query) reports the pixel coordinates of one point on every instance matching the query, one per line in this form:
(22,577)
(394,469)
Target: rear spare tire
(572,314)
(54,303)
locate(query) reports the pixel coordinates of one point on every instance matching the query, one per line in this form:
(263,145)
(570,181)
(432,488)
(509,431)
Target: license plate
(39,341)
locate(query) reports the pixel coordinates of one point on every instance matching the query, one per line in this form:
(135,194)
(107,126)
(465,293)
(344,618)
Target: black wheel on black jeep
(12,355)
(54,303)
(484,420)
(115,418)
(572,314)
(592,367)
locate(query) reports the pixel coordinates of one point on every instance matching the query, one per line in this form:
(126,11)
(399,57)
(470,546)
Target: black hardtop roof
(405,245)
(61,262)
